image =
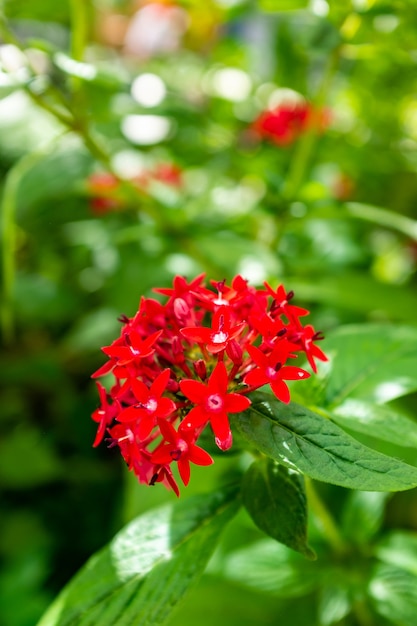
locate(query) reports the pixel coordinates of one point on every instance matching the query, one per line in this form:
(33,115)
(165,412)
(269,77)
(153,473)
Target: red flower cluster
(104,188)
(191,362)
(284,124)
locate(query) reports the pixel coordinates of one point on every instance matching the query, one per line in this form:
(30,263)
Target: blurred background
(140,140)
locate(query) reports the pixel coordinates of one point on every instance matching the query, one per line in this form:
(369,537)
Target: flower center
(182,447)
(214,402)
(219,337)
(151,405)
(271,372)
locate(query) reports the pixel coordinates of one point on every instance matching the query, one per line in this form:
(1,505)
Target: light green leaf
(399,549)
(359,292)
(363,514)
(143,573)
(377,421)
(273,568)
(275,498)
(371,362)
(309,443)
(334,604)
(393,592)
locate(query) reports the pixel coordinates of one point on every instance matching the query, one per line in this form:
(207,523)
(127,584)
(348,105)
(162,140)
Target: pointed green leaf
(144,572)
(311,444)
(372,362)
(275,498)
(377,421)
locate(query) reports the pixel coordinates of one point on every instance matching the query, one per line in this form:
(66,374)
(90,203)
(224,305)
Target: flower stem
(79,30)
(325,519)
(8,235)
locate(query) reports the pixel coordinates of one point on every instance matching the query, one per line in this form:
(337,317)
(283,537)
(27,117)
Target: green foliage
(147,567)
(307,442)
(331,215)
(275,498)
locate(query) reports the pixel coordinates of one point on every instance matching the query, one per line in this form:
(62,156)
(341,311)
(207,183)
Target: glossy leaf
(273,568)
(363,514)
(377,421)
(311,444)
(399,548)
(147,568)
(334,603)
(275,499)
(393,592)
(373,362)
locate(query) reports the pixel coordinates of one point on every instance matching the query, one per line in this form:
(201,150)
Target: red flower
(150,406)
(218,336)
(135,349)
(284,124)
(180,447)
(213,404)
(281,303)
(271,370)
(104,415)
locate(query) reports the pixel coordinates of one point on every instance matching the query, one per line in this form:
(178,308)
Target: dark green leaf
(309,443)
(377,421)
(143,573)
(275,499)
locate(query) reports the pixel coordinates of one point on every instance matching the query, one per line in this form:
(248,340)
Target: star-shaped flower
(270,370)
(213,404)
(218,336)
(150,404)
(180,447)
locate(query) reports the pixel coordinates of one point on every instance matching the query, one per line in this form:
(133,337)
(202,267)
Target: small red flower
(180,447)
(218,336)
(213,404)
(136,348)
(286,122)
(104,415)
(271,370)
(150,406)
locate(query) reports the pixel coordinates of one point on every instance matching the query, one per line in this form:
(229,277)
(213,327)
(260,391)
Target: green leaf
(363,514)
(399,549)
(334,603)
(393,592)
(377,421)
(309,443)
(273,568)
(275,498)
(359,292)
(372,362)
(143,573)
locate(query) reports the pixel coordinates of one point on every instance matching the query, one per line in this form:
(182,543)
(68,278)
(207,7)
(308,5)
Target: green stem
(305,148)
(383,217)
(8,235)
(79,28)
(326,521)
